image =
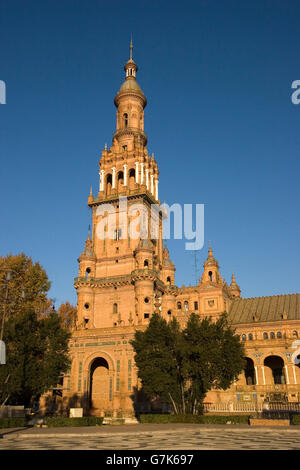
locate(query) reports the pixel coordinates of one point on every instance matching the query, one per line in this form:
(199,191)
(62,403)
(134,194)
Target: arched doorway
(274,370)
(249,371)
(99,384)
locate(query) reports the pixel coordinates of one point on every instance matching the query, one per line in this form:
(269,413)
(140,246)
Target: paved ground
(152,437)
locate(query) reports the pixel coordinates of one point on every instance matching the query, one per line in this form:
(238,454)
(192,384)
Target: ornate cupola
(234,288)
(130,102)
(211,269)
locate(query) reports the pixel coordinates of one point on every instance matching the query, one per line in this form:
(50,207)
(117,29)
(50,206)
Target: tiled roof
(265,309)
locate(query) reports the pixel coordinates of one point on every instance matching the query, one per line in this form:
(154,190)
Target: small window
(237,336)
(115,308)
(169,312)
(250,336)
(186,305)
(195,305)
(125,117)
(243,337)
(295,334)
(265,336)
(178,305)
(279,334)
(86,306)
(210,275)
(146,300)
(146,315)
(87,272)
(272,335)
(146,263)
(168,280)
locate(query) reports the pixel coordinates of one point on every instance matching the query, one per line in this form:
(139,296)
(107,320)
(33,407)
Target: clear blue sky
(217,76)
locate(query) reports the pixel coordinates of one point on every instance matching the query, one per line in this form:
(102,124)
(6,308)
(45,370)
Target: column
(142,173)
(263,372)
(287,375)
(256,374)
(125,174)
(156,189)
(136,172)
(147,178)
(152,185)
(113,177)
(101,173)
(294,372)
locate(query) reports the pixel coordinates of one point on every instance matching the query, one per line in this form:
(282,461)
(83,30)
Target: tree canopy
(181,366)
(37,355)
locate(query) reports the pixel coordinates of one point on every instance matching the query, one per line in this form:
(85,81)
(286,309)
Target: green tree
(181,366)
(26,277)
(37,355)
(68,315)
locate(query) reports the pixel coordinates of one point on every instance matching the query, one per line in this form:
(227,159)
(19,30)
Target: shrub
(13,422)
(296,419)
(62,422)
(197,419)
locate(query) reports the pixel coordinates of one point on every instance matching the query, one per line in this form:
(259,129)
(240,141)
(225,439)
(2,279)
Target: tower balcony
(134,131)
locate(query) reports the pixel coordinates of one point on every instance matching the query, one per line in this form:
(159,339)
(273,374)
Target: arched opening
(178,305)
(108,184)
(146,263)
(125,119)
(250,337)
(99,384)
(87,273)
(265,335)
(244,337)
(131,176)
(295,334)
(168,280)
(120,180)
(279,334)
(186,306)
(115,308)
(274,370)
(210,275)
(272,335)
(249,371)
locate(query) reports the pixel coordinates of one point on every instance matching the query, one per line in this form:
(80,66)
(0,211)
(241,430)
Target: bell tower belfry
(123,279)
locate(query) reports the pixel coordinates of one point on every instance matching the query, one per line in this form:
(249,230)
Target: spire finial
(91,191)
(209,248)
(131,47)
(89,232)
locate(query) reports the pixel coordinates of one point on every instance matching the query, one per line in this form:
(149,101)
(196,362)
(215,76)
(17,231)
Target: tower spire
(131,48)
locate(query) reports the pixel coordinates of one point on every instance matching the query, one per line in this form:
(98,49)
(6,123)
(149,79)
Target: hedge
(197,419)
(296,420)
(61,421)
(13,422)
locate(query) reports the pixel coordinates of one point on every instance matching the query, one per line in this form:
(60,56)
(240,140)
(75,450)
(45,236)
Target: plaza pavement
(152,437)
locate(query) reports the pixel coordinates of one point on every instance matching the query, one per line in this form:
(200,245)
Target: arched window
(131,176)
(274,370)
(125,119)
(244,337)
(108,183)
(115,308)
(249,371)
(265,336)
(120,180)
(146,263)
(295,334)
(168,280)
(186,305)
(196,306)
(87,273)
(272,335)
(210,275)
(279,334)
(250,336)
(178,305)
